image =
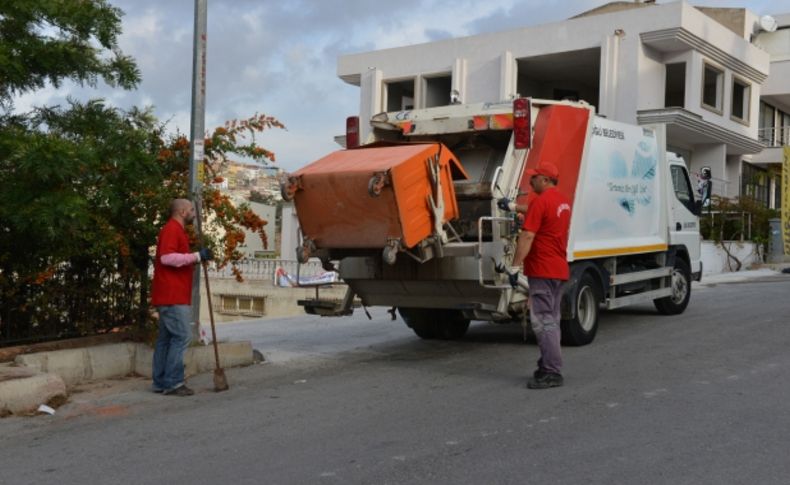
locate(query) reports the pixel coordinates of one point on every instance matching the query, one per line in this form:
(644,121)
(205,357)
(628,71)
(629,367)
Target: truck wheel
(430,323)
(581,329)
(451,325)
(677,302)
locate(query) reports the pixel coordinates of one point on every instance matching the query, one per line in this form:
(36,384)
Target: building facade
(698,70)
(764,179)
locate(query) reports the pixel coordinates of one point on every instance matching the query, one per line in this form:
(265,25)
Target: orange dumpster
(372,197)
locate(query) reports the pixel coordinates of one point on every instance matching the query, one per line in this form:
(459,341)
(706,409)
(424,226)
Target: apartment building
(762,177)
(696,69)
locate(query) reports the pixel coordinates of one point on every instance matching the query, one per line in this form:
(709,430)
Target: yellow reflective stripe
(592,253)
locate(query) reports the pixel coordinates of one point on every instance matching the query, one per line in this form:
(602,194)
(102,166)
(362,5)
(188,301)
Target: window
(755,183)
(680,181)
(766,123)
(242,305)
(400,95)
(712,87)
(675,85)
(437,91)
(741,100)
(784,128)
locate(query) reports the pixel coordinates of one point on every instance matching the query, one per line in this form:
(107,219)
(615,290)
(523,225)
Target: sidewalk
(46,377)
(765,271)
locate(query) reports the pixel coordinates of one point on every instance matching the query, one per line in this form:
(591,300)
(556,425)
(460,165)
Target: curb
(23,390)
(41,377)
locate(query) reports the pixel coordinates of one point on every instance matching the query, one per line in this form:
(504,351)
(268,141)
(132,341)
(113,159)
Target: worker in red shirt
(171,294)
(542,247)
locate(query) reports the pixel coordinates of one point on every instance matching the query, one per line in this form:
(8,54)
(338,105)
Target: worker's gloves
(511,272)
(506,204)
(512,276)
(205,254)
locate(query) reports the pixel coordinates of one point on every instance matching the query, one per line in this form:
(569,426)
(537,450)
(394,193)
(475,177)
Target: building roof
(615,7)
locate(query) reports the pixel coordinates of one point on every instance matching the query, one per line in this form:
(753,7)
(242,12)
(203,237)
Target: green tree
(85,187)
(52,40)
(78,211)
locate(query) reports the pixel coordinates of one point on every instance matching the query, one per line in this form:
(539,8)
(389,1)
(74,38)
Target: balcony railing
(778,136)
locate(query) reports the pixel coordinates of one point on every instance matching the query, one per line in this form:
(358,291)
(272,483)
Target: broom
(220,381)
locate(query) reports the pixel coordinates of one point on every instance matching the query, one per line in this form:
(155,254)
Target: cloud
(280,58)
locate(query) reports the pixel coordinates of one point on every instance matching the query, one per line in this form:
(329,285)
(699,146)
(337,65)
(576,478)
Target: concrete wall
(777,83)
(775,43)
(252,241)
(715,260)
(733,176)
(278,302)
(289,238)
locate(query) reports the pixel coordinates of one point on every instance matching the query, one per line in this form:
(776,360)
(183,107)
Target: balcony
(774,137)
(684,126)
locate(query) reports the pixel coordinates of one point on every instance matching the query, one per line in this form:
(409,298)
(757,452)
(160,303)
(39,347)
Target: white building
(695,69)
(774,116)
(253,246)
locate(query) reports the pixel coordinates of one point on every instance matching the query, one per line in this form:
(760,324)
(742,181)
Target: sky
(280,57)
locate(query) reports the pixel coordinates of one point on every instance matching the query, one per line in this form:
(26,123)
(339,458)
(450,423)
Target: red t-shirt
(549,217)
(171,286)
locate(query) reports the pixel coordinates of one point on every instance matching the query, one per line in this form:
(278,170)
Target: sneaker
(179,391)
(545,380)
(157,390)
(539,373)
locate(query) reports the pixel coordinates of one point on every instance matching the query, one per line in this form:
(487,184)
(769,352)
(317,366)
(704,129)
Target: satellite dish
(768,23)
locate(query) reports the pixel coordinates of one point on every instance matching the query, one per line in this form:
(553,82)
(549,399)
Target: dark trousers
(545,296)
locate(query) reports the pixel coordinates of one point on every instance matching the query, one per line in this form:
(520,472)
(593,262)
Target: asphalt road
(695,399)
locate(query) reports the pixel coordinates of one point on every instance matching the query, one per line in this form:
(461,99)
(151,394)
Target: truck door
(684,224)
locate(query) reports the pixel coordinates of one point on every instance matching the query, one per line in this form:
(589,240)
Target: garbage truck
(410,220)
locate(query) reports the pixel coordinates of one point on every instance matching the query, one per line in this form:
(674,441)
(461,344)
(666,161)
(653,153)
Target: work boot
(180,391)
(544,380)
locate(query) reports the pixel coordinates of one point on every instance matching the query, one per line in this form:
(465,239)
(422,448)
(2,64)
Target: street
(697,398)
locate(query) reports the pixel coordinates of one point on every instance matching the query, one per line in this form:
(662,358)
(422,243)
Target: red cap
(547,169)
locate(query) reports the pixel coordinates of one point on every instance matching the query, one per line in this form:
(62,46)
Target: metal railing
(73,302)
(732,225)
(775,136)
(264,269)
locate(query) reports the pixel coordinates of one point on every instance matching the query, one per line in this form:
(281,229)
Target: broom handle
(211,313)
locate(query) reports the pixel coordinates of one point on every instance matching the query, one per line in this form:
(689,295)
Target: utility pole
(197,134)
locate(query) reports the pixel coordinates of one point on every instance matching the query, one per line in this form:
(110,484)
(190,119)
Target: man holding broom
(171,294)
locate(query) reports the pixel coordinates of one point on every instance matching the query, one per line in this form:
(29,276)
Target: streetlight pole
(197,133)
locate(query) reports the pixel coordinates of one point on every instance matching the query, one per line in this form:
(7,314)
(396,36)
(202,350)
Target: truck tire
(581,329)
(432,323)
(677,302)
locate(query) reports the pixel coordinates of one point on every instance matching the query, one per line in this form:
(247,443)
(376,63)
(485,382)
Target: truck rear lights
(522,126)
(352,132)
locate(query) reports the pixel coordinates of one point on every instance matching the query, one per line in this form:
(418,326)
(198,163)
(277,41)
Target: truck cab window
(682,186)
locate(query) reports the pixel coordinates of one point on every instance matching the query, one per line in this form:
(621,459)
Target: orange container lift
(388,197)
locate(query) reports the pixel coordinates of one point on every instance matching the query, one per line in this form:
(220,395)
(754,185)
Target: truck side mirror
(698,207)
